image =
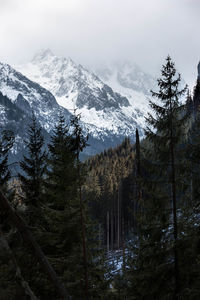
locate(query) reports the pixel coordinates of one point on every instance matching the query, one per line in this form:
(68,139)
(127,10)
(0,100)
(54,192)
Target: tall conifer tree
(31,176)
(9,286)
(6,143)
(33,165)
(63,241)
(168,130)
(94,266)
(196,94)
(156,254)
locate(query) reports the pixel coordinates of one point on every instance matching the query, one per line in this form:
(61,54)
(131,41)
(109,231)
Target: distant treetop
(198,68)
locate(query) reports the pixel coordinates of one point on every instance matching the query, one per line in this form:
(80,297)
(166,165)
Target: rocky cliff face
(106,112)
(29,96)
(129,80)
(49,84)
(71,83)
(19,97)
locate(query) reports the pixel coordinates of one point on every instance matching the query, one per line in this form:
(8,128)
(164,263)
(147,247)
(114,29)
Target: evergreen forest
(123,224)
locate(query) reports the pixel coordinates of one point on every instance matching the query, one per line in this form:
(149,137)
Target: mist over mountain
(104,106)
(112,101)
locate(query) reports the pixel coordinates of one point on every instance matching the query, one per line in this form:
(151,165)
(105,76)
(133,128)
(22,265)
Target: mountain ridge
(49,84)
(75,87)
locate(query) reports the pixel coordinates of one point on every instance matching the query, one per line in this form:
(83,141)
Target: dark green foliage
(95,284)
(61,174)
(31,179)
(189,218)
(156,273)
(9,287)
(72,235)
(109,179)
(189,104)
(193,160)
(33,165)
(6,143)
(196,97)
(62,241)
(10,280)
(142,199)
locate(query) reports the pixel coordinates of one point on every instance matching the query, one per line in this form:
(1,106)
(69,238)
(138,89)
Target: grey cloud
(99,31)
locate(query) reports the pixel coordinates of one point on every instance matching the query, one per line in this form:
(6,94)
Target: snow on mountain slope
(19,97)
(104,112)
(130,81)
(29,96)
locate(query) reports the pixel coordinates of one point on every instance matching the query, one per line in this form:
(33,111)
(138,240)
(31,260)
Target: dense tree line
(141,199)
(166,254)
(162,259)
(55,211)
(108,189)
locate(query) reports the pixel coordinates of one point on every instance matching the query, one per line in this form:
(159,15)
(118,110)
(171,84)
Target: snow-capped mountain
(130,81)
(19,97)
(72,85)
(49,84)
(29,96)
(107,114)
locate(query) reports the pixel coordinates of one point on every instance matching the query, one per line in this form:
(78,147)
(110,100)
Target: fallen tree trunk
(30,240)
(4,244)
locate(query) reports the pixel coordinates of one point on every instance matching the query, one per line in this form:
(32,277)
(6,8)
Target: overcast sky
(94,32)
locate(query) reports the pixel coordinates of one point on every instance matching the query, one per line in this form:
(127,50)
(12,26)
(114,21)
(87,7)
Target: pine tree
(9,286)
(72,241)
(6,143)
(193,159)
(189,217)
(190,224)
(138,192)
(95,284)
(31,178)
(79,142)
(196,94)
(189,104)
(169,125)
(62,241)
(157,253)
(33,166)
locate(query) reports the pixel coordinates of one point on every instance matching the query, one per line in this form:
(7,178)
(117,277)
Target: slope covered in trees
(140,202)
(109,186)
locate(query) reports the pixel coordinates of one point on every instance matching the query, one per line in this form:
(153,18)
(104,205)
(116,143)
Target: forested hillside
(61,234)
(109,188)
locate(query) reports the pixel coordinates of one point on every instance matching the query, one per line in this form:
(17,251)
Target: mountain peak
(45,57)
(42,54)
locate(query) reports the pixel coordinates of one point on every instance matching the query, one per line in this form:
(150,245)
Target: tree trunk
(118,219)
(24,284)
(99,236)
(138,204)
(176,268)
(84,243)
(112,229)
(173,184)
(83,228)
(123,245)
(108,237)
(29,239)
